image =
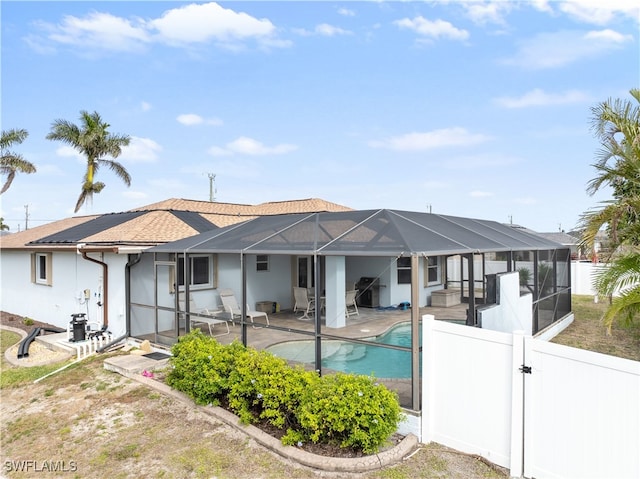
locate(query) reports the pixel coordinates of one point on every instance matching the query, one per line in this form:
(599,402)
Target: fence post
(428,377)
(517,406)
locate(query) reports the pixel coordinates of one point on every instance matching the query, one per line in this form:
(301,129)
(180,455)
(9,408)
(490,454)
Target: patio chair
(204,316)
(303,302)
(351,308)
(230,305)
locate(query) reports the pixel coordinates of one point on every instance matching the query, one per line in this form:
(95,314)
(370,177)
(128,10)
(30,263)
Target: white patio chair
(204,316)
(351,308)
(303,302)
(231,306)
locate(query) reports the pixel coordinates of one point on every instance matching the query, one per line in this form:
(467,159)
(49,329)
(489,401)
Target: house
(392,257)
(81,264)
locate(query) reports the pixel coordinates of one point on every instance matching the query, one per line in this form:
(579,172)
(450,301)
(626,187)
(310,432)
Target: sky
(480,109)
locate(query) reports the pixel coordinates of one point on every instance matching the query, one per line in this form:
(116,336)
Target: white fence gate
(573,414)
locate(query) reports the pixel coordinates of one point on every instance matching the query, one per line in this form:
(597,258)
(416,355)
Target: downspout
(105,287)
(127,289)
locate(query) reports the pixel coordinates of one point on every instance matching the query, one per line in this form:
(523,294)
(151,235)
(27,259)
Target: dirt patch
(20,322)
(86,421)
(102,424)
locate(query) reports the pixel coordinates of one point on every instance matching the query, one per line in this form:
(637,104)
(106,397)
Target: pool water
(354,357)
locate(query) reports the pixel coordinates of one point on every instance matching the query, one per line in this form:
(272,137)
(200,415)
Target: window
(41,268)
(262,262)
(432,271)
(404,270)
(202,271)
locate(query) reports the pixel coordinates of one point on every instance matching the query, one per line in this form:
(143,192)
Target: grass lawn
(587,331)
(111,426)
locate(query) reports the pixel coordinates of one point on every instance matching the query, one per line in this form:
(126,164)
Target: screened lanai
(399,263)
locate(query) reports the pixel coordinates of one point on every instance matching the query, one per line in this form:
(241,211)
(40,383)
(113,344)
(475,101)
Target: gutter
(105,284)
(127,280)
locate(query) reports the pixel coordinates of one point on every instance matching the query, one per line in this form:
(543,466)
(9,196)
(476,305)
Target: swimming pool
(354,357)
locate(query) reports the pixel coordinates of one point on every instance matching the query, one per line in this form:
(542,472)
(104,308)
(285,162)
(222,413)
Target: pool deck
(285,325)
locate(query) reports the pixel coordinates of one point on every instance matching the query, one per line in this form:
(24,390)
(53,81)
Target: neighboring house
(570,240)
(81,264)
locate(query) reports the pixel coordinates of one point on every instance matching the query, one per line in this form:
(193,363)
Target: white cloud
(248,146)
(190,119)
(197,23)
(141,150)
(145,106)
(538,97)
(608,35)
(324,29)
(347,12)
(101,31)
(599,12)
(432,29)
(182,26)
(432,139)
(482,12)
(554,50)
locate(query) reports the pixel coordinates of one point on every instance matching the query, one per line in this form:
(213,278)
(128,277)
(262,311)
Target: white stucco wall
(513,312)
(71,275)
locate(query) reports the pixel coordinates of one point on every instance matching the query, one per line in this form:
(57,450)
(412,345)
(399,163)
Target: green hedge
(342,409)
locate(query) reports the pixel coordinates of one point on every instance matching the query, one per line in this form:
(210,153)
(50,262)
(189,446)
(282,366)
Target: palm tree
(3,225)
(93,140)
(616,123)
(12,163)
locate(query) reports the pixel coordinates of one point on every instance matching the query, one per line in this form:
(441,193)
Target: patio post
(316,314)
(415,333)
(243,307)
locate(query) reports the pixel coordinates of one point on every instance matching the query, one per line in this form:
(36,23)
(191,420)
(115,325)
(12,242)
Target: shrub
(27,321)
(201,367)
(350,411)
(265,387)
(342,409)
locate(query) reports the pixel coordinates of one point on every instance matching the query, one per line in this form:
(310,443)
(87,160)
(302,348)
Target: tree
(3,225)
(11,162)
(93,141)
(616,123)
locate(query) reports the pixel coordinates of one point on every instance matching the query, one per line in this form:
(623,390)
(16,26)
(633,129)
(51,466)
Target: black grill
(368,292)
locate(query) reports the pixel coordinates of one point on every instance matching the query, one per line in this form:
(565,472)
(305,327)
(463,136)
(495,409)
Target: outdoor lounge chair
(303,302)
(233,309)
(204,316)
(351,308)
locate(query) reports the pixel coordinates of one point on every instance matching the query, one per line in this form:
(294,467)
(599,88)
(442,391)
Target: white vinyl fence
(542,410)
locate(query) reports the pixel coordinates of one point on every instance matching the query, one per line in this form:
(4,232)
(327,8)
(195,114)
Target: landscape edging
(331,464)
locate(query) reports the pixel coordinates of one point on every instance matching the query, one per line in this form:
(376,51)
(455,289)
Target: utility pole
(212,190)
(26,217)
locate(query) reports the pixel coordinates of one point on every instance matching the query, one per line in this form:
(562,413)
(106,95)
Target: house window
(262,262)
(433,271)
(201,271)
(404,270)
(41,268)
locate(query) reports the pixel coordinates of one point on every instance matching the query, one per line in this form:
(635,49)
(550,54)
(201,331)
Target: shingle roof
(153,224)
(19,239)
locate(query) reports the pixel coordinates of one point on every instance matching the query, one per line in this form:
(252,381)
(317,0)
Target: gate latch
(525,369)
